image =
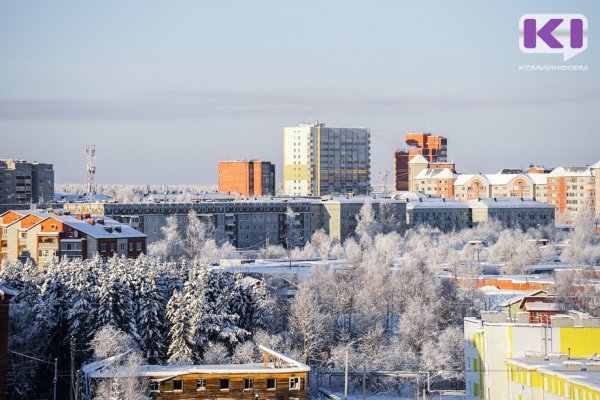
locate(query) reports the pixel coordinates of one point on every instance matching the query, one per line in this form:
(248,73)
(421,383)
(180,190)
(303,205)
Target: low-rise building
(276,377)
(553,376)
(494,338)
(46,236)
(512,212)
(445,214)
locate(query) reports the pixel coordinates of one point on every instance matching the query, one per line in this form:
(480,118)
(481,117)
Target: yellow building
(493,339)
(553,376)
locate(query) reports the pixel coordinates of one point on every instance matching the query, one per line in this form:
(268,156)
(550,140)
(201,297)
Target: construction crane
(384,177)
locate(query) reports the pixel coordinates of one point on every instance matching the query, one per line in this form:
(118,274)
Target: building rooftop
(580,371)
(436,173)
(571,171)
(436,202)
(508,202)
(418,159)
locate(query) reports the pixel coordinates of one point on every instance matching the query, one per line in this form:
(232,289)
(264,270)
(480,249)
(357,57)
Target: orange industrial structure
(247,177)
(433,148)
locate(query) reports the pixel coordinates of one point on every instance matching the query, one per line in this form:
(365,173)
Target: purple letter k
(545,33)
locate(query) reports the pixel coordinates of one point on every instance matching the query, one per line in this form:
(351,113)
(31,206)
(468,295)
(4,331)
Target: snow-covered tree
(367,226)
(181,341)
(293,232)
(171,246)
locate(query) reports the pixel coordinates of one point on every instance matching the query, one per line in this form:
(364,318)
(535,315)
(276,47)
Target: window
(121,246)
(200,385)
(224,384)
(154,386)
(295,383)
(271,383)
(248,384)
(178,385)
(139,246)
(103,247)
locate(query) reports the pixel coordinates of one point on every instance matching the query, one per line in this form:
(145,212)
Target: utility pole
(267,247)
(346,376)
(55,375)
(72,377)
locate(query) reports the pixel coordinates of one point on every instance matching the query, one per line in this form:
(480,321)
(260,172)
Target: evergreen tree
(180,349)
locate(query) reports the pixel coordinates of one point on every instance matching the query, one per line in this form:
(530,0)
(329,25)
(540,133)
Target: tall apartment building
(570,188)
(320,160)
(247,177)
(496,347)
(433,148)
(22,182)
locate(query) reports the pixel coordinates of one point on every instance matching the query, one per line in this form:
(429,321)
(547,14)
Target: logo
(564,34)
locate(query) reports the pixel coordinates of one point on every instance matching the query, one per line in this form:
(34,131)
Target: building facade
(276,377)
(433,148)
(247,178)
(512,212)
(46,236)
(446,215)
(22,182)
(320,160)
(245,224)
(571,188)
(492,341)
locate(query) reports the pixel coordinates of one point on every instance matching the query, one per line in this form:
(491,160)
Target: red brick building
(433,148)
(247,177)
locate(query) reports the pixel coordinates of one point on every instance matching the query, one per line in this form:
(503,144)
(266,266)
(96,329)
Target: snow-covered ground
(434,396)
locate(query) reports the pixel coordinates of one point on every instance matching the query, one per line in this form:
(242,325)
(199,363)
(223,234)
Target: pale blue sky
(165,89)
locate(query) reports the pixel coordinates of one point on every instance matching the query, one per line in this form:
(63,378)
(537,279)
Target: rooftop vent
(100,221)
(118,229)
(535,356)
(555,357)
(90,221)
(573,366)
(592,365)
(108,229)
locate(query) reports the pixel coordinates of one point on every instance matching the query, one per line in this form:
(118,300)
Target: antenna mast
(384,175)
(90,154)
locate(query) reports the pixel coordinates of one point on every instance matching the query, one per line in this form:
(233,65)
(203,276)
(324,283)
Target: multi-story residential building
(437,182)
(433,148)
(245,224)
(275,377)
(512,212)
(22,182)
(571,188)
(247,177)
(44,236)
(553,376)
(494,340)
(444,214)
(320,160)
(337,215)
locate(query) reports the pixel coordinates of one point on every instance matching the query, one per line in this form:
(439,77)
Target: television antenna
(90,154)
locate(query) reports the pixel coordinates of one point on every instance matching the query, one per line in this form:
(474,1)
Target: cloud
(171,105)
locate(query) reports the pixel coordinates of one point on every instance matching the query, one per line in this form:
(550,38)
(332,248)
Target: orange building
(247,177)
(433,148)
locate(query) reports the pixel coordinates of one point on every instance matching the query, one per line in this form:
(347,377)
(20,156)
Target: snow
(435,173)
(418,159)
(571,171)
(508,202)
(590,379)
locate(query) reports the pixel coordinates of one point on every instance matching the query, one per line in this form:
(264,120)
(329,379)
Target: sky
(165,89)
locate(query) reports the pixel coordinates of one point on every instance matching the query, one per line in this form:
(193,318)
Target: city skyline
(178,95)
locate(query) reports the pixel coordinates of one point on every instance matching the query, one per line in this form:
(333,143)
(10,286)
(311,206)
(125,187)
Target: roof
(508,202)
(589,379)
(104,368)
(539,179)
(596,164)
(434,202)
(541,306)
(519,298)
(6,291)
(571,171)
(435,173)
(418,159)
(97,230)
(504,179)
(462,179)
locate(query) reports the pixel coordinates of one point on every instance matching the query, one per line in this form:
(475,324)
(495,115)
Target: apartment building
(320,160)
(46,236)
(22,182)
(433,149)
(243,223)
(247,177)
(512,212)
(337,215)
(495,343)
(445,214)
(571,188)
